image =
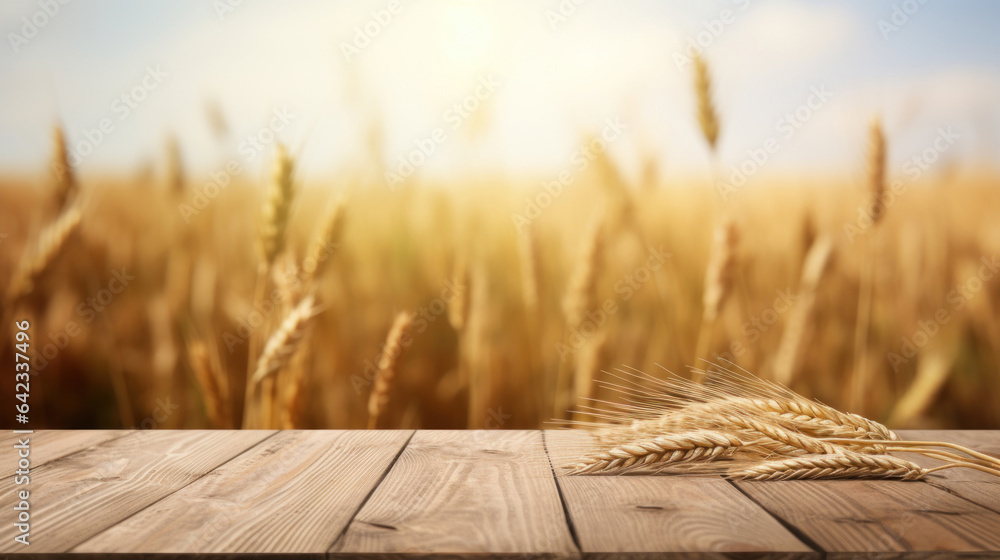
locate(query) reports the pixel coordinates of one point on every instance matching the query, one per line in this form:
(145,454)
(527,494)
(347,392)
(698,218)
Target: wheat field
(141,319)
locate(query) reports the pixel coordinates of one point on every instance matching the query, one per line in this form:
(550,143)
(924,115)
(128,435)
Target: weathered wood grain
(49,445)
(293,493)
(618,514)
(82,494)
(855,516)
(464,492)
(975,486)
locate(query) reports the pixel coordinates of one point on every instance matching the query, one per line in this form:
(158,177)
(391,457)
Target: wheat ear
(697,445)
(707,118)
(281,346)
(395,342)
(277,206)
(876,168)
(175,167)
(327,242)
(844,465)
(51,242)
(66,187)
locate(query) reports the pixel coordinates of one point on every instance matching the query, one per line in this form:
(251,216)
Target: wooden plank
(293,493)
(975,486)
(854,516)
(85,493)
(49,445)
(619,514)
(477,492)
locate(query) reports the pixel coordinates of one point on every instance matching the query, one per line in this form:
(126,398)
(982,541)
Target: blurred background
(458,213)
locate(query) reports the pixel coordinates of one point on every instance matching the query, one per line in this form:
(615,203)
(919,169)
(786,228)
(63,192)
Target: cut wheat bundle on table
(741,427)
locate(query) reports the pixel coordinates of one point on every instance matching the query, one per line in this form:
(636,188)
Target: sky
(803,77)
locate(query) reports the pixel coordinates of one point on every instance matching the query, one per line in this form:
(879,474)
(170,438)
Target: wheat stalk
(458,307)
(876,168)
(326,242)
(175,167)
(663,450)
(718,281)
(66,187)
(581,296)
(842,465)
(395,342)
(876,161)
(281,346)
(801,416)
(707,118)
(786,361)
(51,242)
(530,270)
(212,381)
(589,363)
(277,206)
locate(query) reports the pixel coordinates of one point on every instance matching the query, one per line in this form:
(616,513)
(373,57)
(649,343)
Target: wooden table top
(332,493)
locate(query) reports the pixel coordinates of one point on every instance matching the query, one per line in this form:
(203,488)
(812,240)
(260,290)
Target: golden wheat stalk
(786,361)
(175,167)
(718,281)
(708,120)
(876,164)
(281,346)
(277,206)
(52,241)
(697,445)
(581,296)
(294,399)
(876,169)
(327,242)
(458,307)
(212,382)
(395,342)
(530,270)
(830,466)
(802,418)
(594,354)
(66,187)
(728,389)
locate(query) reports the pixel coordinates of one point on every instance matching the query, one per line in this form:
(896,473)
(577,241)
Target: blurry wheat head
(876,168)
(324,245)
(395,342)
(65,187)
(52,241)
(175,167)
(277,206)
(707,118)
(278,352)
